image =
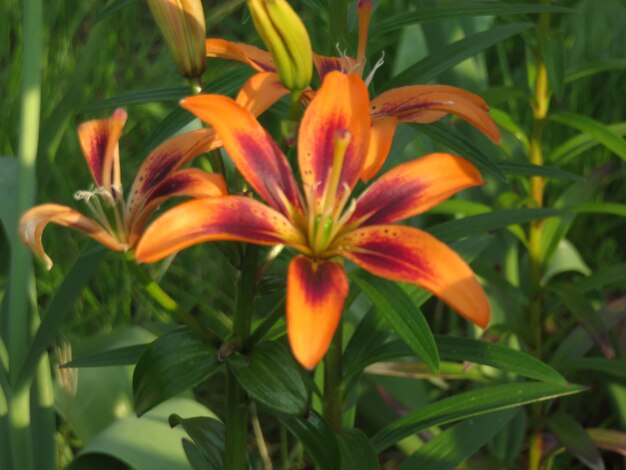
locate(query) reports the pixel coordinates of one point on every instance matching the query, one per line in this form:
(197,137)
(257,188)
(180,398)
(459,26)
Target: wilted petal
(407,254)
(34,221)
(166,159)
(99,141)
(260,92)
(414,187)
(381,138)
(429,103)
(258,59)
(190,182)
(222,218)
(316,292)
(341,104)
(251,149)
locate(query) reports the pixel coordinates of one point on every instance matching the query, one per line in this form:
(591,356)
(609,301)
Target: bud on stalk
(182,24)
(286,39)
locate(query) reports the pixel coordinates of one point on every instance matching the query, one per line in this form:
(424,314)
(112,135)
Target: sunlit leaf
(448,449)
(467,404)
(580,143)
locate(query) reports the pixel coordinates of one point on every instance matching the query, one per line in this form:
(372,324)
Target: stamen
(341,141)
(377,65)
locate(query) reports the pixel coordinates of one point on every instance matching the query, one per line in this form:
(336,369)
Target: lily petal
(190,182)
(222,218)
(429,103)
(407,254)
(258,59)
(316,292)
(165,160)
(381,138)
(251,148)
(341,104)
(325,64)
(99,141)
(414,187)
(260,92)
(34,221)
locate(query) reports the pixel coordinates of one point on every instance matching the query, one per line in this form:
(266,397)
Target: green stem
(333,393)
(235,457)
(166,302)
(541,105)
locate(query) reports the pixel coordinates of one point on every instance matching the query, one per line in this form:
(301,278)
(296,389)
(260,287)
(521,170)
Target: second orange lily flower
(322,222)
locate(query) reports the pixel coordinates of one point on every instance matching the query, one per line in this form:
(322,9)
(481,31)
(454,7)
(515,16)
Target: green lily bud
(286,39)
(182,24)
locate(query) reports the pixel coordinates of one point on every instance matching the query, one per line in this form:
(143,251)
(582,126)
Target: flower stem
(540,107)
(235,457)
(333,393)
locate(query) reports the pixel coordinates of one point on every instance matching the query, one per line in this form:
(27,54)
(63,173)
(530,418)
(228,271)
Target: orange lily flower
(420,104)
(321,221)
(118,224)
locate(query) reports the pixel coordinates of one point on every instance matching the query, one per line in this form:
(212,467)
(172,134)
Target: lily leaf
(207,434)
(575,439)
(356,451)
(316,437)
(473,403)
(126,356)
(173,363)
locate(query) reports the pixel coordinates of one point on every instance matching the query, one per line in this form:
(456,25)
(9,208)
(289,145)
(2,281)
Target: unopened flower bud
(182,24)
(286,39)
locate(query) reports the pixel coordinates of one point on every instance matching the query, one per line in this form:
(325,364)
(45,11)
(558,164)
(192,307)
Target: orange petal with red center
(166,159)
(99,141)
(414,187)
(381,138)
(251,148)
(260,92)
(325,64)
(342,103)
(34,221)
(316,292)
(190,182)
(407,254)
(258,59)
(428,103)
(221,218)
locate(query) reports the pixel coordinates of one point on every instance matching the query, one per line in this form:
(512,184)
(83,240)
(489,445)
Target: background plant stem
(541,105)
(236,421)
(333,393)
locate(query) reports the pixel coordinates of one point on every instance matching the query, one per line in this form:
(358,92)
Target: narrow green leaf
(448,56)
(588,69)
(566,258)
(610,208)
(75,280)
(207,434)
(356,451)
(506,122)
(401,314)
(580,307)
(139,97)
(8,190)
(596,129)
(126,356)
(283,388)
(609,439)
(195,457)
(169,126)
(580,143)
(468,404)
(448,449)
(528,169)
(457,10)
(553,49)
(575,439)
(112,8)
(497,355)
(461,145)
(173,363)
(316,437)
(614,367)
(477,224)
(601,278)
